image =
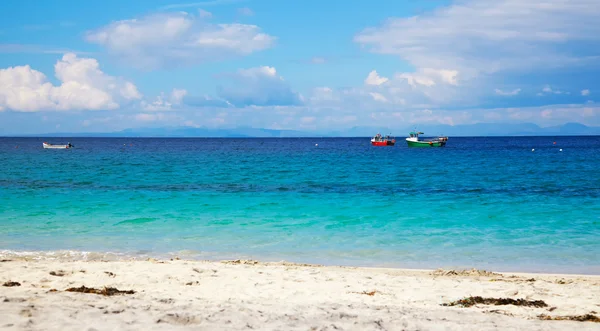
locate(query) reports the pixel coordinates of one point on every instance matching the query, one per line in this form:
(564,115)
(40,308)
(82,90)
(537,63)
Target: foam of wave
(66,255)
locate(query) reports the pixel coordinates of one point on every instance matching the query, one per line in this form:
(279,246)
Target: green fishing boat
(413,141)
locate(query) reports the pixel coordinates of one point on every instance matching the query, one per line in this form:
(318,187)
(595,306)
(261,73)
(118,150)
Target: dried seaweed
(282,263)
(369,293)
(114,311)
(513,280)
(472,272)
(246,262)
(471,301)
(110,274)
(106,291)
(11,284)
(562,281)
(578,318)
(58,273)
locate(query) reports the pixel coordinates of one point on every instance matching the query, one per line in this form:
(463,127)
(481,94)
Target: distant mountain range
(471,130)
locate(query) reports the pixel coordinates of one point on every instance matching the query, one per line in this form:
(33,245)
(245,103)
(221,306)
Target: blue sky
(308,65)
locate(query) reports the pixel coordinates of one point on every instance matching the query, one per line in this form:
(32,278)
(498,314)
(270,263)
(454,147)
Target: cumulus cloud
(83,86)
(585,92)
(426,86)
(260,86)
(507,93)
(487,36)
(165,103)
(374,79)
(430,77)
(172,39)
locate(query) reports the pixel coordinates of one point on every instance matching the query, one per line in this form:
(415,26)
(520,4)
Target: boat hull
(383,143)
(49,146)
(426,144)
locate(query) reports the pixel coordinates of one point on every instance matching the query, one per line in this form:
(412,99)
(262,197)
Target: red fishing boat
(380,140)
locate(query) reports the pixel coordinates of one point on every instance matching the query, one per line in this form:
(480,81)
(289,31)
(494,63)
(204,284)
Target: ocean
(489,203)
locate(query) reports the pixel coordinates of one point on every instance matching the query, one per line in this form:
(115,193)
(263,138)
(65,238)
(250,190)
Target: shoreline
(248,294)
(96,256)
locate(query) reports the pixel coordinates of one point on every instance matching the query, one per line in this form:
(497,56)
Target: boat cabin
(379,137)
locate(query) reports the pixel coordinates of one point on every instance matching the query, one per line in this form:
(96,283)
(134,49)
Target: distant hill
(472,130)
(475,130)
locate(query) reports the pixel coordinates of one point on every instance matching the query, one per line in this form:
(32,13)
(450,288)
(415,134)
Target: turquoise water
(479,202)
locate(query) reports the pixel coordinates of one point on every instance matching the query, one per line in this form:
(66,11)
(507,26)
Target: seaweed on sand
(578,318)
(59,273)
(369,293)
(106,291)
(11,284)
(471,272)
(471,301)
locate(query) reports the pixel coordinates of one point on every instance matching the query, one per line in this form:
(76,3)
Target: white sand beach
(248,295)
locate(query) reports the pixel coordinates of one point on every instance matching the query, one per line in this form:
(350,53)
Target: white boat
(67,146)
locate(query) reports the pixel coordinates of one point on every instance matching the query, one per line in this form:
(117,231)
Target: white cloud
(585,92)
(259,72)
(245,11)
(378,97)
(416,79)
(177,95)
(374,79)
(553,114)
(318,60)
(165,103)
(83,86)
(507,93)
(549,90)
(204,13)
(486,36)
(172,39)
(430,77)
(413,90)
(259,86)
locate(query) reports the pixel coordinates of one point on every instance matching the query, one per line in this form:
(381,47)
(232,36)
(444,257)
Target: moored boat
(413,141)
(51,146)
(380,140)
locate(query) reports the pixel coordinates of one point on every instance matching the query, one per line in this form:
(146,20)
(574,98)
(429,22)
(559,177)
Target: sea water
(503,203)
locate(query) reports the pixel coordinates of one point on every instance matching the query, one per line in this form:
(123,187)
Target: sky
(105,66)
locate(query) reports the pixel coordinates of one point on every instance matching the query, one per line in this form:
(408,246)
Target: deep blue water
(479,202)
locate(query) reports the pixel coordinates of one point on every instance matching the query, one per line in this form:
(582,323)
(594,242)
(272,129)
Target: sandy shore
(197,295)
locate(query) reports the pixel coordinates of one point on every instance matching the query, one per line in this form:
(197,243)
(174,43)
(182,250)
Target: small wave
(65,255)
(138,220)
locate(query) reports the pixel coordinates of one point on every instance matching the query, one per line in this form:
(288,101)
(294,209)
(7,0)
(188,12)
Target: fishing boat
(380,140)
(51,146)
(413,141)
